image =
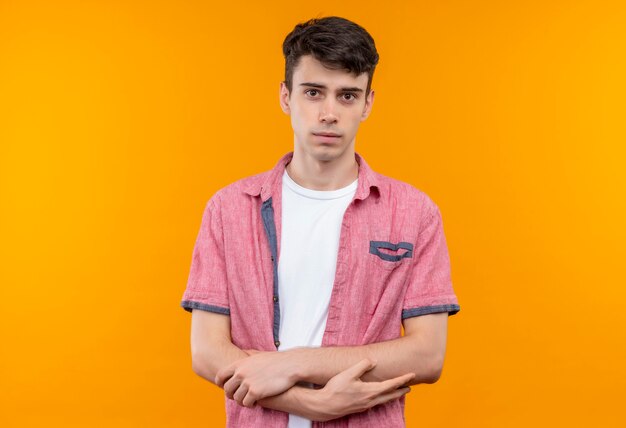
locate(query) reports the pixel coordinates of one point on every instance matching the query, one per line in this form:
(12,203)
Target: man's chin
(327,153)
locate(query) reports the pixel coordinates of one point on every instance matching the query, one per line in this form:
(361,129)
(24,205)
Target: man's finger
(223,375)
(396,382)
(359,369)
(241,392)
(389,396)
(249,400)
(231,386)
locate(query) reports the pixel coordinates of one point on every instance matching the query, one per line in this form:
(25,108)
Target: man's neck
(313,174)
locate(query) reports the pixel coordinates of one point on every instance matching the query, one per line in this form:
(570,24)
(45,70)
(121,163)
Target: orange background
(118,121)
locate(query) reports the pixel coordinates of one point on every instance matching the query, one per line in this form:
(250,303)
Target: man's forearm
(394,358)
(297,400)
(419,353)
(208,360)
(209,357)
(344,394)
(213,351)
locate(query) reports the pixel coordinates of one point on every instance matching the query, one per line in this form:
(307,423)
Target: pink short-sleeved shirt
(392,264)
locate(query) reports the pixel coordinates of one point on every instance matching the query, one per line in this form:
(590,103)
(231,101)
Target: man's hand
(262,374)
(346,393)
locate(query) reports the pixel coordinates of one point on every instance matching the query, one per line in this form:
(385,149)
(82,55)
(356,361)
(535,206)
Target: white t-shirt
(311,224)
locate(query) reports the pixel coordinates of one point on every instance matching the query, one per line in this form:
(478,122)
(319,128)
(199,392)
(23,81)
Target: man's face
(326,108)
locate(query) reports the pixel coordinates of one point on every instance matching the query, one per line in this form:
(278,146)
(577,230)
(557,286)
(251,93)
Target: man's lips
(326,134)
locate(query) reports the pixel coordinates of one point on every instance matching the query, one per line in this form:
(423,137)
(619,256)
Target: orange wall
(118,120)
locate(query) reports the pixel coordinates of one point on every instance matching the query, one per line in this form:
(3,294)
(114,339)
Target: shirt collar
(367,180)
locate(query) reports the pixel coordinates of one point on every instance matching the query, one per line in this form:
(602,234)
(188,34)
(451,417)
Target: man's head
(335,42)
(327,89)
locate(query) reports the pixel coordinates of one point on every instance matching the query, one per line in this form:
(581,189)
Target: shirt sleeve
(207,286)
(430,286)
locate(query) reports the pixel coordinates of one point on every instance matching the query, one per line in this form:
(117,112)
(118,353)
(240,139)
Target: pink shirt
(392,264)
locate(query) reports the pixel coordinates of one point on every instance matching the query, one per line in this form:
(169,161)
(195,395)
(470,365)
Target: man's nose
(328,111)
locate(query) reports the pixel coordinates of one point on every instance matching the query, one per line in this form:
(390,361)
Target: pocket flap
(376,246)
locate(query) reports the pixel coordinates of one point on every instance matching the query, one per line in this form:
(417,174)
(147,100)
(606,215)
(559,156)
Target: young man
(301,276)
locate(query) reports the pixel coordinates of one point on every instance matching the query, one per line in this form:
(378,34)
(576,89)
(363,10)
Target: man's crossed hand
(260,375)
(266,374)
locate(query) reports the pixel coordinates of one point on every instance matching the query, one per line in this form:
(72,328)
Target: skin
(324,100)
(356,378)
(420,352)
(344,393)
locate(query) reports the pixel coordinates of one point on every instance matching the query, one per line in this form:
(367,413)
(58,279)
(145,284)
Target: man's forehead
(311,71)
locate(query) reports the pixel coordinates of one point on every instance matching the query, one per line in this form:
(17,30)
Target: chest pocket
(391,252)
(388,255)
(387,272)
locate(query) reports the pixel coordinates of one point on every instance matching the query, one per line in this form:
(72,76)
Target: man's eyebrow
(320,86)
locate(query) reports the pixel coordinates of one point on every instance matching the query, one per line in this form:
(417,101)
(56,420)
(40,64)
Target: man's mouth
(327,134)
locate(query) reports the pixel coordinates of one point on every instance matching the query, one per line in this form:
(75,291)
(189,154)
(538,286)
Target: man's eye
(312,92)
(348,97)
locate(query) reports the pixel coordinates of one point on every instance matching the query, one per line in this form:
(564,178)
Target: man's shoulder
(241,189)
(403,194)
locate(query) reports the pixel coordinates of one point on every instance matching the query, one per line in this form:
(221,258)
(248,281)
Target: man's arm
(421,351)
(211,346)
(344,394)
(212,350)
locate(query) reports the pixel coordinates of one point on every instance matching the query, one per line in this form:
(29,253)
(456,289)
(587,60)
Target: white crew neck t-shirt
(311,224)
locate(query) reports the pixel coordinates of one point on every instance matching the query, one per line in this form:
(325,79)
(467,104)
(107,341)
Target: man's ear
(283,97)
(369,101)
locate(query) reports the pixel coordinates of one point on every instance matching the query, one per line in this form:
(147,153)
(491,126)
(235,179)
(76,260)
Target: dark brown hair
(336,42)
